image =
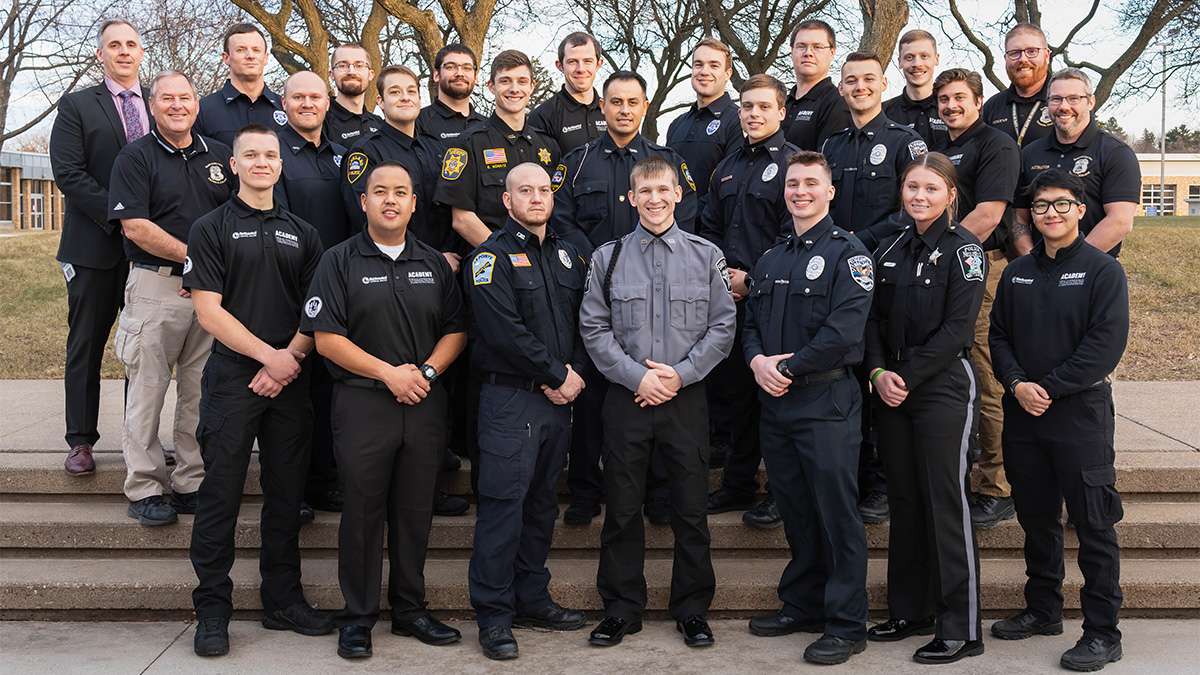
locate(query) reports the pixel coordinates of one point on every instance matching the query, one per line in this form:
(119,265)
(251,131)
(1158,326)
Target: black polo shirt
(1107,166)
(475,164)
(866,165)
(1024,119)
(989,164)
(745,213)
(261,262)
(705,136)
(443,124)
(168,186)
(345,127)
(815,116)
(430,222)
(920,116)
(591,188)
(525,297)
(395,310)
(569,122)
(311,184)
(224,112)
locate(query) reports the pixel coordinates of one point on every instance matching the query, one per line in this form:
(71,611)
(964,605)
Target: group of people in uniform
(872,297)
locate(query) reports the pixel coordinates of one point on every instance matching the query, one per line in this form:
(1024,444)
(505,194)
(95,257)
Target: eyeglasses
(1041,206)
(357,65)
(464,68)
(1069,100)
(1029,52)
(810,49)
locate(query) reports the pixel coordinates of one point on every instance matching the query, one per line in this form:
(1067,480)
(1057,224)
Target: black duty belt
(823,377)
(906,354)
(513,381)
(160,270)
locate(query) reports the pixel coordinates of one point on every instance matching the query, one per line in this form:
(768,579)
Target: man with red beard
(1020,111)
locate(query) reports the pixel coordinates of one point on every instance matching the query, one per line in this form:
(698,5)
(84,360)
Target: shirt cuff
(687,373)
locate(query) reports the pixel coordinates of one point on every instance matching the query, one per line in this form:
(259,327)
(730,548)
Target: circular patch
(215,173)
(712,127)
(280,117)
(815,267)
(312,307)
(770,172)
(1044,119)
(187,264)
(1082,164)
(878,154)
(564,258)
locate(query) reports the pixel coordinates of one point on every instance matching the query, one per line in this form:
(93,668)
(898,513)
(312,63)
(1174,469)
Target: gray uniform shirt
(670,304)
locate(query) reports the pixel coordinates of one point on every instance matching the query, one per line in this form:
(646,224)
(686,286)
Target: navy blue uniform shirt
(705,136)
(311,184)
(920,116)
(1024,119)
(442,125)
(814,117)
(224,112)
(569,122)
(989,164)
(345,127)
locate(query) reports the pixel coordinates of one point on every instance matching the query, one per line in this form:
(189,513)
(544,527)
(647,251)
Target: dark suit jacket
(84,142)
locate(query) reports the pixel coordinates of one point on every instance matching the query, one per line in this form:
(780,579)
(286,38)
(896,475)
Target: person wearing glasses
(352,75)
(1059,327)
(815,109)
(1020,111)
(1107,166)
(454,70)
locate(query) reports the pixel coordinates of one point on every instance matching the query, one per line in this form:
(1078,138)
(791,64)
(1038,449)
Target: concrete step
(96,586)
(1163,476)
(1149,529)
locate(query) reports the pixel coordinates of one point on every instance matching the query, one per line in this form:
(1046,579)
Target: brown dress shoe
(80,462)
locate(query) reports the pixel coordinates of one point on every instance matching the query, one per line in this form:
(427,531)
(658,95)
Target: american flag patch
(519,260)
(494,156)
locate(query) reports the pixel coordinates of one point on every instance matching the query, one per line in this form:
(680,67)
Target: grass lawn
(1160,256)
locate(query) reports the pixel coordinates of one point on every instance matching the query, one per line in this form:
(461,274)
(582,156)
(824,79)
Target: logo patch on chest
(816,265)
(1071,279)
(878,154)
(216,175)
(770,172)
(287,239)
(519,260)
(280,117)
(495,157)
(712,127)
(565,259)
(1082,166)
(420,277)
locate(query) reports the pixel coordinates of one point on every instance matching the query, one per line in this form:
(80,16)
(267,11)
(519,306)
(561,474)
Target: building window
(1194,193)
(1152,202)
(6,197)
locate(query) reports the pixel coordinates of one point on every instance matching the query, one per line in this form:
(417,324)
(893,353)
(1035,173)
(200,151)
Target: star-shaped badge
(544,155)
(933,257)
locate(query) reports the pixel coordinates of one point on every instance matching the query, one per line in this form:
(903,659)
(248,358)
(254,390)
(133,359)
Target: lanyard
(1024,127)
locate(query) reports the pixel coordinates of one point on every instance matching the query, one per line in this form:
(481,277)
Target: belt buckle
(163,271)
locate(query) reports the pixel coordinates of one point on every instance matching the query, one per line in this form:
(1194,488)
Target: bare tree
(882,22)
(757,32)
(184,35)
(47,51)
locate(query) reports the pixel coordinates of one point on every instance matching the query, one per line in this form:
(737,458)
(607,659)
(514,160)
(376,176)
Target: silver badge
(337,161)
(564,258)
(280,117)
(1081,166)
(713,126)
(770,172)
(917,148)
(878,154)
(816,266)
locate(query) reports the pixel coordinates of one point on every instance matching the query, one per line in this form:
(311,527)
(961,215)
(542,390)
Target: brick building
(29,199)
(1181,187)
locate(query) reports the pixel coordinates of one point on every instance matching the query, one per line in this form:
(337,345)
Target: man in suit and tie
(92,126)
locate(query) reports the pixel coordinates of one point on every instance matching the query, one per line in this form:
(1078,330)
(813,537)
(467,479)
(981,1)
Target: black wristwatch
(783,369)
(429,372)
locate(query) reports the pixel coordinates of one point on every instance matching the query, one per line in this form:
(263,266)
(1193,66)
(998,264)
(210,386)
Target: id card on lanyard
(1028,120)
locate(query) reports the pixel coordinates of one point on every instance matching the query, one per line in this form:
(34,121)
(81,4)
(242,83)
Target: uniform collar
(811,236)
(343,113)
(671,237)
(934,234)
(971,132)
(1039,251)
(1085,139)
(522,235)
(198,146)
(296,143)
(927,102)
(818,90)
(366,245)
(1040,95)
(244,210)
(229,94)
(715,108)
(770,143)
(569,101)
(396,135)
(608,145)
(448,113)
(500,125)
(876,124)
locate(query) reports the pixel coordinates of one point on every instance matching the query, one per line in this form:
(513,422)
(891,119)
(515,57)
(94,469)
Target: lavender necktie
(133,121)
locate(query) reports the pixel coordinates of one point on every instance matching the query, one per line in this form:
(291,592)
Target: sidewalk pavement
(1151,416)
(1160,646)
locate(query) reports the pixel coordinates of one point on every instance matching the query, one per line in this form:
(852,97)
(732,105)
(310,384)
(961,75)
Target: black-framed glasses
(1028,52)
(1041,206)
(1073,100)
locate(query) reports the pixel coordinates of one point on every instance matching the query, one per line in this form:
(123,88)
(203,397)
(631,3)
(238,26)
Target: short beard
(444,88)
(345,88)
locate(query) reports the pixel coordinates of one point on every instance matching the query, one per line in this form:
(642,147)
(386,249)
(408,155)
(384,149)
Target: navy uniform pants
(810,441)
(322,466)
(523,440)
(678,432)
(1067,453)
(933,558)
(388,455)
(231,418)
(735,377)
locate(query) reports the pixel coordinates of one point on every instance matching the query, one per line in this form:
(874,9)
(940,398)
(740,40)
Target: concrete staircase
(68,550)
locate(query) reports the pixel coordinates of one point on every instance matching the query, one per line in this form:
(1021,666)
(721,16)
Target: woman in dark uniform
(930,280)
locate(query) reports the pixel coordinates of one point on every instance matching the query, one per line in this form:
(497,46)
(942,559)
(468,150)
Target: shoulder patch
(917,148)
(558,177)
(862,271)
(687,175)
(454,163)
(970,259)
(482,268)
(722,268)
(312,307)
(356,166)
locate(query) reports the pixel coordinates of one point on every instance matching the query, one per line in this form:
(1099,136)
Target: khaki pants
(158,332)
(992,480)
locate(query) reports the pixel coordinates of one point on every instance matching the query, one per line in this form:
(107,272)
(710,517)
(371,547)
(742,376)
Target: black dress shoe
(184,502)
(1090,653)
(612,630)
(498,643)
(212,637)
(696,632)
(551,617)
(765,516)
(988,511)
(354,642)
(581,513)
(894,630)
(307,515)
(1025,624)
(830,650)
(658,513)
(299,618)
(947,651)
(774,625)
(426,629)
(873,508)
(450,505)
(327,500)
(723,501)
(152,511)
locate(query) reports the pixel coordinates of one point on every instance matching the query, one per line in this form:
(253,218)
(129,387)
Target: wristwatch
(429,372)
(783,369)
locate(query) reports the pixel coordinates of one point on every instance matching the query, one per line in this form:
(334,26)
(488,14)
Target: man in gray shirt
(656,318)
